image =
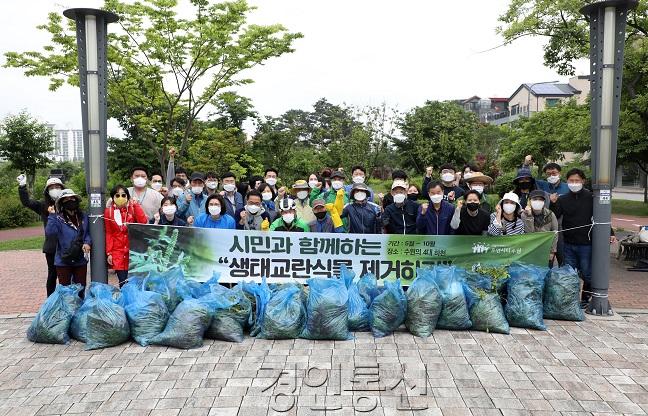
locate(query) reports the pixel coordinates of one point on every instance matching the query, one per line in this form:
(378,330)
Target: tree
(25,142)
(163,69)
(437,133)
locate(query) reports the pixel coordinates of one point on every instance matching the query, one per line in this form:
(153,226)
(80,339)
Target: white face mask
(575,187)
(360,196)
(267,196)
(169,210)
(178,192)
(509,208)
(302,194)
(197,190)
(54,193)
(447,177)
(312,184)
(253,209)
(214,209)
(229,187)
(212,184)
(139,182)
(553,179)
(537,205)
(399,198)
(288,218)
(337,185)
(358,179)
(468,175)
(156,186)
(271,181)
(436,198)
(478,188)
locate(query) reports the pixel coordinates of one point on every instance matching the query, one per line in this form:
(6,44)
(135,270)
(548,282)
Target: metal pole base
(599,305)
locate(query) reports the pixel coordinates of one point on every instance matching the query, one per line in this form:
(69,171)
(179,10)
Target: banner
(280,256)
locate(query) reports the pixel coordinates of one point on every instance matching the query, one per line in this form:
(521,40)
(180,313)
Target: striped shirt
(509,228)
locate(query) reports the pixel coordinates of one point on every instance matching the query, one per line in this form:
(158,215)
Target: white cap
(399,184)
(512,196)
(53,181)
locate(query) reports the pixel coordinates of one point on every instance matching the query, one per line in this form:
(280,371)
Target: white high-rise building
(68,145)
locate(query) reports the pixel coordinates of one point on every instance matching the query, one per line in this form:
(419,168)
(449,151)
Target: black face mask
(472,206)
(525,185)
(412,197)
(71,205)
(320,215)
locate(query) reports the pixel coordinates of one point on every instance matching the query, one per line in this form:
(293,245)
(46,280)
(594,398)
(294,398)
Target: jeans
(580,258)
(51,273)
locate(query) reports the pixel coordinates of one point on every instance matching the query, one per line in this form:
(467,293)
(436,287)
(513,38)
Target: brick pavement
(19,233)
(597,367)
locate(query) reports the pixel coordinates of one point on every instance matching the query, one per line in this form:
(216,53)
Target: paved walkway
(628,222)
(597,367)
(20,233)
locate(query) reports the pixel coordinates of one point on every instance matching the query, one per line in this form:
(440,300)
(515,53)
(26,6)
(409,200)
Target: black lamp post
(92,43)
(607,39)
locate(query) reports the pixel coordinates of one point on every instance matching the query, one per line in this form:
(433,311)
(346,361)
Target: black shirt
(470,225)
(576,209)
(401,220)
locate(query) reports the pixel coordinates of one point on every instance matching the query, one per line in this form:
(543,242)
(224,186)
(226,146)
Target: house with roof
(484,108)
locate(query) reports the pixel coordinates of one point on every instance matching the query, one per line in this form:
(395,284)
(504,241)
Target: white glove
(22,179)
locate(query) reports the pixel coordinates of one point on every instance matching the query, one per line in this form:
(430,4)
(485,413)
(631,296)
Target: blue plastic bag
(284,315)
(368,288)
(388,310)
(561,295)
(186,326)
(326,310)
(358,311)
(454,313)
(146,312)
(160,284)
(230,314)
(52,322)
(424,304)
(485,305)
(249,289)
(262,297)
(107,324)
(524,307)
(79,324)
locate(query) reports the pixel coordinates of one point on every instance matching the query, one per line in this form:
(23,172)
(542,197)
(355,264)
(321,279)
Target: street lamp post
(528,112)
(607,39)
(92,42)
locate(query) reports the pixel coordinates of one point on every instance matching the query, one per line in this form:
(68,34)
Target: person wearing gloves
(69,226)
(215,215)
(168,214)
(451,191)
(359,175)
(507,220)
(193,203)
(233,198)
(337,186)
(288,220)
(327,218)
(211,183)
(53,188)
(469,217)
(148,198)
(364,217)
(253,216)
(477,181)
(400,216)
(434,218)
(301,191)
(120,211)
(537,218)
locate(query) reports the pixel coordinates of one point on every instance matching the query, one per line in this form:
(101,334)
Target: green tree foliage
(436,133)
(24,143)
(164,68)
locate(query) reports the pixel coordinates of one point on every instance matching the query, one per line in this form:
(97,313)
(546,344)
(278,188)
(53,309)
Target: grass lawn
(32,243)
(625,207)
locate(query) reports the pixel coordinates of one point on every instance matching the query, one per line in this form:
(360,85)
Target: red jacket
(117,235)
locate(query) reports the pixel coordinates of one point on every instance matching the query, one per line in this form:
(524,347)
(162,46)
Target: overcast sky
(353,51)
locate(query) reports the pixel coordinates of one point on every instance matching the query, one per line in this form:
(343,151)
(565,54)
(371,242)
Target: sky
(357,52)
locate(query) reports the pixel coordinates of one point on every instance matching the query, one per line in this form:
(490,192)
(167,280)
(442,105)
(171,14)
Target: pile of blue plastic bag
(168,309)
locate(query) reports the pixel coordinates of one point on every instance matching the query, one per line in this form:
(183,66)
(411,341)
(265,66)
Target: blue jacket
(436,222)
(370,194)
(363,218)
(232,208)
(206,221)
(194,208)
(561,188)
(65,234)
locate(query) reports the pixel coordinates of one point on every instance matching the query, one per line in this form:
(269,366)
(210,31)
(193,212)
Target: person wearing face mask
(466,174)
(400,216)
(68,225)
(53,188)
(359,175)
(271,176)
(301,191)
(122,211)
(315,181)
(254,182)
(327,218)
(330,196)
(507,220)
(524,184)
(194,200)
(434,218)
(148,198)
(168,214)
(451,191)
(388,199)
(469,218)
(177,189)
(156,182)
(211,183)
(537,218)
(479,182)
(215,215)
(553,185)
(289,220)
(364,217)
(253,216)
(233,198)
(268,203)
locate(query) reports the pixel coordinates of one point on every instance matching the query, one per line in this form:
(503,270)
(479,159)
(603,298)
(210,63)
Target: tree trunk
(31,178)
(645,184)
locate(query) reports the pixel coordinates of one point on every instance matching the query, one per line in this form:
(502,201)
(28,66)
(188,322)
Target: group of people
(325,202)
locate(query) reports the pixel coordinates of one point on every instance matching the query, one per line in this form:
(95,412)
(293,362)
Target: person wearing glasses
(121,210)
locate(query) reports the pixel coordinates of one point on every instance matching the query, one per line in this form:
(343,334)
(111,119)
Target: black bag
(75,251)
